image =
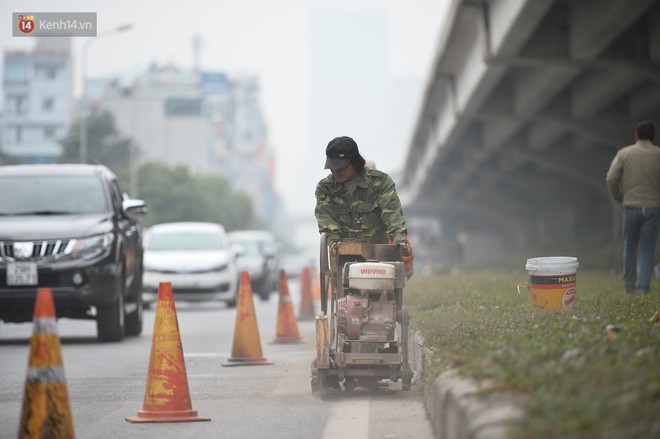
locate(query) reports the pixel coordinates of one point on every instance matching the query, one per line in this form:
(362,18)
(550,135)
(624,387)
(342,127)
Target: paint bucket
(552,282)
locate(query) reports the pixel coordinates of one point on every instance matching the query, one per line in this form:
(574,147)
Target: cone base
(287,340)
(144,416)
(246,361)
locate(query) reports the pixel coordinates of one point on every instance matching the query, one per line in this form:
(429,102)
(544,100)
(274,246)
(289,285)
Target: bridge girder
(533,94)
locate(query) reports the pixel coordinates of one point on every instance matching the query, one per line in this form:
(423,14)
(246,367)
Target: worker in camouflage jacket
(358,202)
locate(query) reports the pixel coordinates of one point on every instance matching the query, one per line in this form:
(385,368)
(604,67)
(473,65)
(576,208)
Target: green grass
(570,378)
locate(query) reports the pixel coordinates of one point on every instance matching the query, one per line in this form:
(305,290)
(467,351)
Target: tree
(6,159)
(104,143)
(172,194)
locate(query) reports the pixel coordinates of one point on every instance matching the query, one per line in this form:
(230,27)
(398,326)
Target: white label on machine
(371,276)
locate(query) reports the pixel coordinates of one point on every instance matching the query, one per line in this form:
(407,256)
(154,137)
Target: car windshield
(185,241)
(51,195)
(248,248)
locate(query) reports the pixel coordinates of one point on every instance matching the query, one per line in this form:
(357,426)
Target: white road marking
(202,355)
(349,418)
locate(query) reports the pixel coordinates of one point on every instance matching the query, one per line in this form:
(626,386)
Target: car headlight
(147,267)
(93,246)
(221,267)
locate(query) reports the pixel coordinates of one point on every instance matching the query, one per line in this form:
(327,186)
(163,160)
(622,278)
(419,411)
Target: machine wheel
(350,384)
(320,381)
(406,371)
(323,381)
(329,383)
(316,379)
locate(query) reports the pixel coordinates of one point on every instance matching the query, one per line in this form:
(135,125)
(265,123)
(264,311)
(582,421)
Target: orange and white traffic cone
(46,411)
(306,301)
(167,397)
(287,328)
(316,286)
(246,347)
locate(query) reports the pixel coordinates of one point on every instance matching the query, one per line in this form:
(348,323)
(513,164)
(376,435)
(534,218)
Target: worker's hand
(409,269)
(333,249)
(406,248)
(333,239)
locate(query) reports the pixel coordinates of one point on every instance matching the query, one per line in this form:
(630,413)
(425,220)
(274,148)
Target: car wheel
(275,284)
(261,288)
(133,322)
(231,303)
(110,318)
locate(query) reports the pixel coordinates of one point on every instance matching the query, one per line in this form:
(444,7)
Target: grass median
(575,376)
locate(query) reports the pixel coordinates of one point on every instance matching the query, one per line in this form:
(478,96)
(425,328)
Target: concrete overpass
(526,103)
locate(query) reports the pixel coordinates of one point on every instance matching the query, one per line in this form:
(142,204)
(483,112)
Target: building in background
(206,121)
(37,100)
(255,161)
(161,111)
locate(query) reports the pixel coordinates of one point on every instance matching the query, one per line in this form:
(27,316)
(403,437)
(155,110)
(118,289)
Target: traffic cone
(306,301)
(167,397)
(46,411)
(316,287)
(246,347)
(287,328)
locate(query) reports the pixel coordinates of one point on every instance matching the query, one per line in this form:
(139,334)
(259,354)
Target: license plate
(22,273)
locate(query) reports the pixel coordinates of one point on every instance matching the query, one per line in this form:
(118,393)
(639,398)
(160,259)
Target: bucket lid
(550,263)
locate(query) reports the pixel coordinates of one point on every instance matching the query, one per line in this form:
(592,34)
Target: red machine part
(351,313)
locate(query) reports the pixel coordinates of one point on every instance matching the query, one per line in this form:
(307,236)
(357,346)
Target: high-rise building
(37,100)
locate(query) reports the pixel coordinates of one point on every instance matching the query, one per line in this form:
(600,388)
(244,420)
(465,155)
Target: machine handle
(323,269)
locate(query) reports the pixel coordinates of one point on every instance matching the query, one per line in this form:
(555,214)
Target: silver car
(258,254)
(195,257)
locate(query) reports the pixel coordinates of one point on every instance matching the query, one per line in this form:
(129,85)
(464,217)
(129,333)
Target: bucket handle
(526,284)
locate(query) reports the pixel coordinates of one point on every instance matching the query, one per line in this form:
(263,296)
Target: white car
(195,257)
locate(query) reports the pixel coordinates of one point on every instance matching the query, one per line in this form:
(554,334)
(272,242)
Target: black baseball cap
(339,152)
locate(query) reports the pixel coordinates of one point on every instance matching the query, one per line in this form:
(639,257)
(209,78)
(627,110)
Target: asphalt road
(107,382)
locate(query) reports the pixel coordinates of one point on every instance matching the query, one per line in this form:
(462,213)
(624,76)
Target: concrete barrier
(454,405)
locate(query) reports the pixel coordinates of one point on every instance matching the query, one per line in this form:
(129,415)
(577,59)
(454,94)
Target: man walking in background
(634,180)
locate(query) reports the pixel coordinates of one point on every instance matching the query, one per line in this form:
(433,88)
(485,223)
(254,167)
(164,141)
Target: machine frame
(365,362)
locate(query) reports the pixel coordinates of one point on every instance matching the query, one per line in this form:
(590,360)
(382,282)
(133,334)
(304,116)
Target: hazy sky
(273,40)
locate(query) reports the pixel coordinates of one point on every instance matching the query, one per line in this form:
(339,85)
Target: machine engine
(368,312)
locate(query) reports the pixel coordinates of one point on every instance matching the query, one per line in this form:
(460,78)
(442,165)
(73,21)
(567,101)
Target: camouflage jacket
(374,203)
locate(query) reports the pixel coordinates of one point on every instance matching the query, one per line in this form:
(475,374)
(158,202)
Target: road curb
(453,404)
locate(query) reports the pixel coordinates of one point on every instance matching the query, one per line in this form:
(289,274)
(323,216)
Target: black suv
(70,228)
